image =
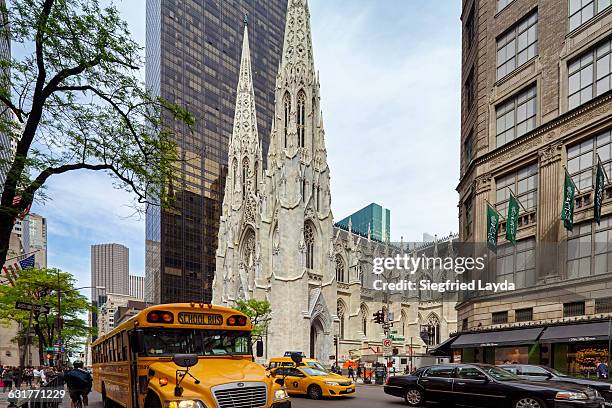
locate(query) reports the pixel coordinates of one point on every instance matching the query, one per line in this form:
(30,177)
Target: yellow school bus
(183,355)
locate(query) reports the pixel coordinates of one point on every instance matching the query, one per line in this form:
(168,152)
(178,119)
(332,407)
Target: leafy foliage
(76,103)
(259,313)
(40,286)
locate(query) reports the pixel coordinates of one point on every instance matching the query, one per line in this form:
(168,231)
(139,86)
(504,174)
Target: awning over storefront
(443,349)
(574,333)
(498,338)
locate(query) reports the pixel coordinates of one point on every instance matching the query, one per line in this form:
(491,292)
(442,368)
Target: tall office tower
(536,110)
(137,287)
(6,144)
(110,270)
(372,220)
(34,238)
(193,59)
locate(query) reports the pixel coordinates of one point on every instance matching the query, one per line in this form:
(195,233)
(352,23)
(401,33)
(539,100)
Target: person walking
(602,370)
(351,373)
(358,371)
(7,378)
(28,375)
(36,374)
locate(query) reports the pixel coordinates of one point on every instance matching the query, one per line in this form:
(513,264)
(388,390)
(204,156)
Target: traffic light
(379,317)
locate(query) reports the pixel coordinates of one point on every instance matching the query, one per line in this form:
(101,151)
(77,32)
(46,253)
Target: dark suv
(483,385)
(542,373)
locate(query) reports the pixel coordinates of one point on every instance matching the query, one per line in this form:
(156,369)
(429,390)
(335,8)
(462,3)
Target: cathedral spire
(297,47)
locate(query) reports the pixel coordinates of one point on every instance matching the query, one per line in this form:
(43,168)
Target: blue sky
(390,89)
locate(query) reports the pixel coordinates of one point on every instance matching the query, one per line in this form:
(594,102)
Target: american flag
(10,272)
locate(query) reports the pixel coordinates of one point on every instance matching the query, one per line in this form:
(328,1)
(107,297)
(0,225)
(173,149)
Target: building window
(470,26)
(469,217)
(287,106)
(517,46)
(582,159)
(603,305)
(470,90)
(524,185)
(516,263)
(363,311)
(501,4)
(340,312)
(430,332)
(245,176)
(580,11)
(573,309)
(499,317)
(340,268)
(301,122)
(464,324)
(523,315)
(309,241)
(589,74)
(516,116)
(588,249)
(468,148)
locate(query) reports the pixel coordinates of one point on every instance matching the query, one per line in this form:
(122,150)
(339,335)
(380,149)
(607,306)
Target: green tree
(259,313)
(40,286)
(76,102)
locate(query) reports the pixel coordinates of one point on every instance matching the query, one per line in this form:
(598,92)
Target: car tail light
(160,316)
(237,320)
(387,380)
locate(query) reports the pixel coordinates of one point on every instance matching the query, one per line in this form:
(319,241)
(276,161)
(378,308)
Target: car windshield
(315,364)
(313,372)
(168,342)
(499,374)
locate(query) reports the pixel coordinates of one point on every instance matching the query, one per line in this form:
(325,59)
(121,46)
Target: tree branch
(9,104)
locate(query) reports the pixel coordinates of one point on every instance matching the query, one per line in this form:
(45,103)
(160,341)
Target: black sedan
(482,385)
(542,373)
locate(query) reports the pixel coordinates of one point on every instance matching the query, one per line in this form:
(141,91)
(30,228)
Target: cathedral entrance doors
(316,339)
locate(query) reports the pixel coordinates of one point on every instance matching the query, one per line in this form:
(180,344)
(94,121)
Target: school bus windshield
(168,342)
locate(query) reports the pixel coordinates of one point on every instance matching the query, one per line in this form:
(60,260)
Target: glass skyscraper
(373,217)
(193,59)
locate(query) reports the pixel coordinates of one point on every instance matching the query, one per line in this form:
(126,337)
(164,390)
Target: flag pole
(516,198)
(492,206)
(23,255)
(572,180)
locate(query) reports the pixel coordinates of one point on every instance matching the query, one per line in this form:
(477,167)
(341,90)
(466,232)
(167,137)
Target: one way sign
(44,309)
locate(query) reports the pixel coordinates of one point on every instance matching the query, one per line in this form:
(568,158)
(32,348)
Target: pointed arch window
(304,189)
(339,268)
(301,122)
(363,312)
(309,241)
(287,105)
(430,331)
(245,175)
(256,173)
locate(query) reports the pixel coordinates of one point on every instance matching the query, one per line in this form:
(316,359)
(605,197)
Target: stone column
(549,209)
(482,193)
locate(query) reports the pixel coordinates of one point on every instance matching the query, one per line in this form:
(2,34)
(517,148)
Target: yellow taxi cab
(305,379)
(287,362)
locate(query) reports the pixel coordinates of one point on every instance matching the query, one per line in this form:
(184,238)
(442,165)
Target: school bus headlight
(185,404)
(280,395)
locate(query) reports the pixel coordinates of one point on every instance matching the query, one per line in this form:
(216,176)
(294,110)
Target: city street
(367,396)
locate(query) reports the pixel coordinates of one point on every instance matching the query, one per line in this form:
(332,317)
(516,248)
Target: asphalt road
(367,396)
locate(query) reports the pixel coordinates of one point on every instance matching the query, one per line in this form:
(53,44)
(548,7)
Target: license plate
(607,404)
(349,390)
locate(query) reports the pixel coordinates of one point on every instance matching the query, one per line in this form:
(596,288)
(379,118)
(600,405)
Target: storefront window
(581,358)
(512,355)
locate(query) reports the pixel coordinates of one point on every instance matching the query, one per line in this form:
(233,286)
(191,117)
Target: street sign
(52,349)
(44,309)
(387,346)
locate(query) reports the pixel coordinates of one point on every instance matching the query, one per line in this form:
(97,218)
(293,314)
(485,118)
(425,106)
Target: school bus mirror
(185,360)
(260,348)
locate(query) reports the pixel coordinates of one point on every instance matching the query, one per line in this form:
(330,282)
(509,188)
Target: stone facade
(277,239)
(558,276)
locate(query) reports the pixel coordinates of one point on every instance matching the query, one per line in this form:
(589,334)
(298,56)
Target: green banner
(492,228)
(512,219)
(567,213)
(600,181)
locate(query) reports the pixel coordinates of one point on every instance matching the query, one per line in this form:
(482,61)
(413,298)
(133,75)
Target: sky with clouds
(390,90)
